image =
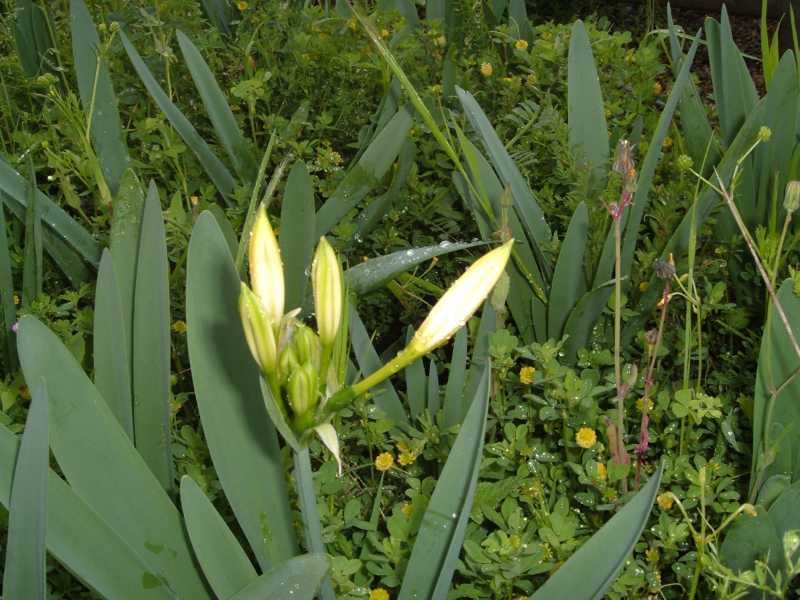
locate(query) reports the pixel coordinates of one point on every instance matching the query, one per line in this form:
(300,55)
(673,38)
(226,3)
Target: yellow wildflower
(379,594)
(526,375)
(179,327)
(640,404)
(194,200)
(644,286)
(385,33)
(441,41)
(406,458)
(664,501)
(652,555)
(586,437)
(16,299)
(384,461)
(667,143)
(407,509)
(521,44)
(487,69)
(657,88)
(241,5)
(602,472)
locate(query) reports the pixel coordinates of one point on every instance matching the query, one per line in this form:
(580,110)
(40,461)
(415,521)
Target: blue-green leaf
(297,239)
(298,578)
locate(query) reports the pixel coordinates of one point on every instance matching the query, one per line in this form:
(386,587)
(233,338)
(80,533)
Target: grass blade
(434,402)
(367,172)
(217,172)
(593,568)
(301,575)
(97,96)
(456,376)
(112,363)
(151,345)
(32,267)
(89,445)
(568,283)
(225,125)
(25,575)
(588,132)
(9,310)
(32,36)
(297,239)
(241,438)
(415,382)
(76,536)
(441,534)
(224,563)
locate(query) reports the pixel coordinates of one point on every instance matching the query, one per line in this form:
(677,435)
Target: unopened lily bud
(287,363)
(266,268)
(302,391)
(328,284)
(791,201)
(461,300)
(258,331)
(306,346)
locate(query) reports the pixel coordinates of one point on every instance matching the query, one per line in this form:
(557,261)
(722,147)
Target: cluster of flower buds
(304,370)
(624,165)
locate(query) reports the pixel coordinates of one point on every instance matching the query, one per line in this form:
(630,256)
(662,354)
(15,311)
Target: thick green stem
(304,480)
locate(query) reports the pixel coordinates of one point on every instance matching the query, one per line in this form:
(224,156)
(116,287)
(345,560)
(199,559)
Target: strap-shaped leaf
(9,310)
(366,173)
(569,282)
(215,169)
(441,534)
(593,568)
(222,559)
(32,35)
(112,365)
(151,345)
(32,267)
(97,95)
(77,536)
(415,382)
(297,239)
(240,436)
(588,132)
(298,578)
(456,377)
(104,469)
(24,575)
(434,401)
(225,125)
(583,317)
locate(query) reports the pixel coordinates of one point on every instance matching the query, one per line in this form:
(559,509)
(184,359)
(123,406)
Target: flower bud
(302,391)
(764,133)
(461,300)
(328,284)
(258,331)
(287,363)
(306,346)
(791,201)
(266,269)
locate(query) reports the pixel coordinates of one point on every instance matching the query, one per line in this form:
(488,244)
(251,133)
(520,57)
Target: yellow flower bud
(306,346)
(328,284)
(461,300)
(486,69)
(258,331)
(302,390)
(791,201)
(266,268)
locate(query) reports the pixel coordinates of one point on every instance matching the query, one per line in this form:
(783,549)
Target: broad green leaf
(25,575)
(97,95)
(582,319)
(92,451)
(112,363)
(298,578)
(228,131)
(151,345)
(373,273)
(415,382)
(434,401)
(383,395)
(569,282)
(518,18)
(776,418)
(367,173)
(32,36)
(217,172)
(589,572)
(750,538)
(380,206)
(441,534)
(241,438)
(456,376)
(588,132)
(9,310)
(297,239)
(224,563)
(67,242)
(77,535)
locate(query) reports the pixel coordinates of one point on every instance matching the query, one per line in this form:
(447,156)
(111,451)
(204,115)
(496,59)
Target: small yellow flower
(521,44)
(526,375)
(179,327)
(352,24)
(602,472)
(384,461)
(16,299)
(531,80)
(385,33)
(640,404)
(487,69)
(652,555)
(441,41)
(407,509)
(657,88)
(664,501)
(406,458)
(644,286)
(336,158)
(379,594)
(667,143)
(586,437)
(241,5)
(194,200)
